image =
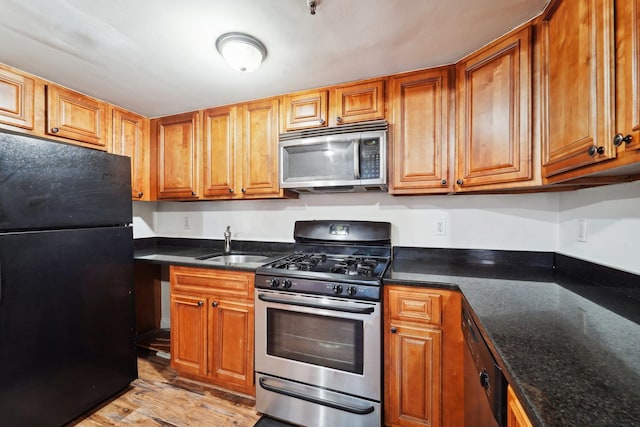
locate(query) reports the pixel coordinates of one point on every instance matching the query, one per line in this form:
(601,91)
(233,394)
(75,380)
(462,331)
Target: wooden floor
(159,398)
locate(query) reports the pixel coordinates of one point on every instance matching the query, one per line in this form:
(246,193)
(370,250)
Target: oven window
(332,342)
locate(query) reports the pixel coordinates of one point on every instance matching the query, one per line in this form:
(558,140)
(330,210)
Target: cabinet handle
(193,193)
(140,194)
(393,330)
(443,182)
(338,119)
(459,182)
(244,190)
(231,190)
(321,121)
(200,303)
(55,130)
(593,151)
(619,139)
(214,304)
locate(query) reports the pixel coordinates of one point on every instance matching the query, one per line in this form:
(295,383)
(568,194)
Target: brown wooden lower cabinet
(423,378)
(212,326)
(516,417)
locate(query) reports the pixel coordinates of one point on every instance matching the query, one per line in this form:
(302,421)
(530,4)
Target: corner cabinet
(130,137)
(16,99)
(516,417)
(176,146)
(77,117)
(423,379)
(212,326)
(421,131)
(494,139)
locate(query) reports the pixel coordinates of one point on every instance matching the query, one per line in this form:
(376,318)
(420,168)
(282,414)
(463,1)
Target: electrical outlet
(582,230)
(440,227)
(186,223)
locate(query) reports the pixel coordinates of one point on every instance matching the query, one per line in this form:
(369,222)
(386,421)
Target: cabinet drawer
(416,306)
(210,281)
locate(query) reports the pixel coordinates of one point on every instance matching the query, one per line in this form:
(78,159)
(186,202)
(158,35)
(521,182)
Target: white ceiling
(158,57)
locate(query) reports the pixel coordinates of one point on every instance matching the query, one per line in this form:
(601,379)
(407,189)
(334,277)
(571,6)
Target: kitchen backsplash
(536,222)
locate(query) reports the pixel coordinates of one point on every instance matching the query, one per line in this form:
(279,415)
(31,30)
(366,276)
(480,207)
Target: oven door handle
(313,399)
(366,310)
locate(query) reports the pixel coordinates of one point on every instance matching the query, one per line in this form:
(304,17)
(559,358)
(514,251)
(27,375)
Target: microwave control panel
(370,158)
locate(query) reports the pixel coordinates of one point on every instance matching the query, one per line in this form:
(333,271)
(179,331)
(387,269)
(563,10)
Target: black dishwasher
(484,384)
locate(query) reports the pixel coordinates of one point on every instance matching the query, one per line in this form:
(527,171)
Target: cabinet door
(516,417)
(75,116)
(258,161)
(188,333)
(177,139)
(220,135)
(494,113)
(230,362)
(577,84)
(304,110)
(413,391)
(419,152)
(359,102)
(130,137)
(16,99)
(628,72)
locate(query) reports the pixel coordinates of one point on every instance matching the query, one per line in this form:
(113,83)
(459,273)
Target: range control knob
(286,284)
(352,290)
(484,379)
(337,289)
(275,283)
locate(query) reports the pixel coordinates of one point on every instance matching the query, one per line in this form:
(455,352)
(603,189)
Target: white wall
(612,216)
(537,222)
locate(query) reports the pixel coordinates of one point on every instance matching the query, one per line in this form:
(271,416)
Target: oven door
(326,342)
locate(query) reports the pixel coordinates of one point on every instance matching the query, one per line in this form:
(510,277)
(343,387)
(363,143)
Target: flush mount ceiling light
(241,51)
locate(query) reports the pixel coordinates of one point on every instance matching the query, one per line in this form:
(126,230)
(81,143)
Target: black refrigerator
(67,339)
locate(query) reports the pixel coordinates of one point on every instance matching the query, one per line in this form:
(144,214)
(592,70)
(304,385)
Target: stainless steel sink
(237,259)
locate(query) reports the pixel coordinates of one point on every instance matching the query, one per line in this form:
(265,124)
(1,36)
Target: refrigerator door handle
(0,280)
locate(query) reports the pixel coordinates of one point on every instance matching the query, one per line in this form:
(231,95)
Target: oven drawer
(416,306)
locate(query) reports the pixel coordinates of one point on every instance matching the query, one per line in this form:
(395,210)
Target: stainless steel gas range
(318,326)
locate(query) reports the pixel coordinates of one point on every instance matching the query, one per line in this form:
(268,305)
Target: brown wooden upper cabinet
(627,76)
(176,145)
(76,117)
(130,137)
(577,84)
(421,104)
(334,106)
(16,99)
(494,137)
(241,151)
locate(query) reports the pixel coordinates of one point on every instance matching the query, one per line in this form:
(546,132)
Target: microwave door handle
(356,159)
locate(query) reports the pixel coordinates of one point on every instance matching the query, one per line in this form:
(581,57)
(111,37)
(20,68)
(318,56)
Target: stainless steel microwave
(340,159)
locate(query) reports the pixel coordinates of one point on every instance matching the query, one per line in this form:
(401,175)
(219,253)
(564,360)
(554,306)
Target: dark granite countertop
(569,344)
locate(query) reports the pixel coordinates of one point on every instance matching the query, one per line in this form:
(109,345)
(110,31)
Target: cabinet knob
(443,182)
(338,119)
(321,121)
(200,303)
(231,190)
(140,194)
(244,190)
(459,182)
(619,139)
(214,304)
(55,130)
(594,150)
(193,193)
(393,330)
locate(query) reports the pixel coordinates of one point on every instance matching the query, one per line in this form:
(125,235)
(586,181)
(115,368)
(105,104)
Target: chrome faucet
(227,240)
